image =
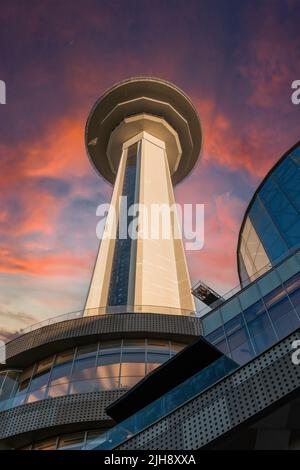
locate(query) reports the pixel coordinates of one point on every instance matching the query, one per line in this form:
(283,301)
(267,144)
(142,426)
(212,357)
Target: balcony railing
(107,310)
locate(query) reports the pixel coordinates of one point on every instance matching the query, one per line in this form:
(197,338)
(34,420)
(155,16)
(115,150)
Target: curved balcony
(107,310)
(34,421)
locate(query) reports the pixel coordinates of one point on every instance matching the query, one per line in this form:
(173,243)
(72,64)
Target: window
(133,369)
(89,350)
(62,368)
(37,395)
(108,383)
(133,343)
(108,370)
(254,311)
(84,369)
(134,357)
(230,309)
(58,390)
(157,344)
(239,340)
(85,362)
(109,358)
(127,382)
(211,322)
(41,375)
(110,345)
(157,357)
(269,282)
(72,441)
(287,269)
(50,444)
(107,365)
(262,333)
(83,386)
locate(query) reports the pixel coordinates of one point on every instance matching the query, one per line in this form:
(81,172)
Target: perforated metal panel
(68,332)
(259,384)
(88,407)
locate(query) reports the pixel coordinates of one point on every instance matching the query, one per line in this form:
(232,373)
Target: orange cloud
(215,263)
(59,153)
(65,264)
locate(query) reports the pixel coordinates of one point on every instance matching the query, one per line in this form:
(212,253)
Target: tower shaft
(141,262)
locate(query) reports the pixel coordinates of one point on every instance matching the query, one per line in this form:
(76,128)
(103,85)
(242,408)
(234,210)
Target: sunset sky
(235,59)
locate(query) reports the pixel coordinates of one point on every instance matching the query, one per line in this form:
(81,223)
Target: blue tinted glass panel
(293,288)
(39,381)
(293,234)
(211,322)
(281,312)
(262,333)
(239,340)
(61,372)
(295,156)
(230,309)
(268,283)
(217,338)
(288,268)
(258,216)
(84,368)
(119,282)
(284,172)
(254,311)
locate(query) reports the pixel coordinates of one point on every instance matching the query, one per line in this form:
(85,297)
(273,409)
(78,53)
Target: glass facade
(120,272)
(9,380)
(101,366)
(74,441)
(164,405)
(272,226)
(258,316)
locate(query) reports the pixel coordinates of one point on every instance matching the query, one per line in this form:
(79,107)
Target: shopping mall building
(138,367)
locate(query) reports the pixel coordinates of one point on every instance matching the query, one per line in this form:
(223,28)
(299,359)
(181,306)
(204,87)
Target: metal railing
(107,310)
(110,310)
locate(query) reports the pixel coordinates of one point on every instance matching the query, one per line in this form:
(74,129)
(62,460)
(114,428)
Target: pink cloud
(216,262)
(61,264)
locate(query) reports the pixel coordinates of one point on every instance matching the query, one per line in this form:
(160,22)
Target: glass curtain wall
(120,274)
(258,316)
(109,365)
(272,226)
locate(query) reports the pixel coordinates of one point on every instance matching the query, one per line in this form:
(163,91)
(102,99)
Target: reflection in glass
(127,382)
(93,367)
(272,226)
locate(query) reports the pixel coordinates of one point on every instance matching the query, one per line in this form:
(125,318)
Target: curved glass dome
(271,226)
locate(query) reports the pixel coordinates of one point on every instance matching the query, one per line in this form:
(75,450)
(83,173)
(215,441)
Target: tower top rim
(143,95)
